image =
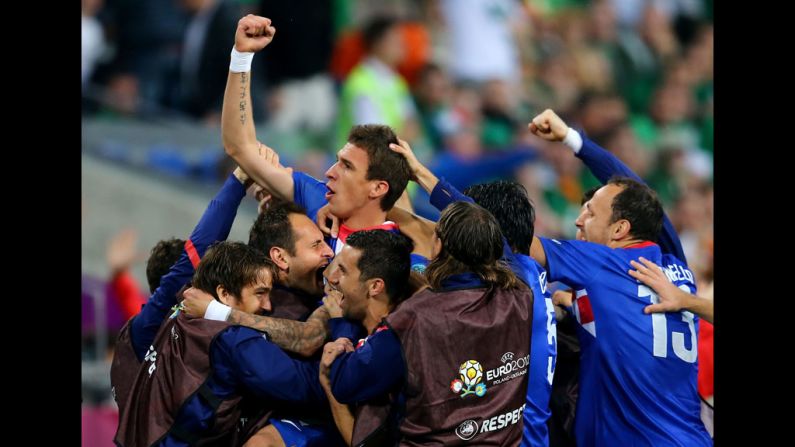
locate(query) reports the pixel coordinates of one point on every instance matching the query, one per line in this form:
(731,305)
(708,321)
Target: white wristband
(573,140)
(217,311)
(241,62)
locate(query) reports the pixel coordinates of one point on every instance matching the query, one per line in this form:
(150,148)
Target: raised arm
(419,172)
(214,225)
(121,254)
(237,125)
(602,164)
(442,192)
(417,228)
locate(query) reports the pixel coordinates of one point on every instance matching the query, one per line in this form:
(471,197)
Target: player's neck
(369,216)
(624,243)
(376,311)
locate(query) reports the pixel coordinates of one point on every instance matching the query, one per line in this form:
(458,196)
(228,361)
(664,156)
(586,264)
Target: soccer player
(137,335)
(198,374)
(603,164)
(509,204)
(296,247)
(638,371)
(363,184)
(473,321)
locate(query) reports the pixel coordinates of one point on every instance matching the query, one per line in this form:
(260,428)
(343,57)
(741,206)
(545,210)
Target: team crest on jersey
(418,267)
(470,375)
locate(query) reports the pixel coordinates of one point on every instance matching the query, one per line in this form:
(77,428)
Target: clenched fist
(253,33)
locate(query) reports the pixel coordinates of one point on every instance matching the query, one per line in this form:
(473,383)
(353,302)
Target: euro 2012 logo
(470,374)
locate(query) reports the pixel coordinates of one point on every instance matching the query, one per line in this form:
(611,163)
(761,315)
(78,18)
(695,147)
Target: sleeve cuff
(444,194)
(217,311)
(235,183)
(440,197)
(573,140)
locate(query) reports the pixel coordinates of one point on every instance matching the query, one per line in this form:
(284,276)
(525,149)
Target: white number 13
(660,330)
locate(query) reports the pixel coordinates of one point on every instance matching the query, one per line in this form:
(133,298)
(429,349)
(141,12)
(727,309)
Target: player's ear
(621,229)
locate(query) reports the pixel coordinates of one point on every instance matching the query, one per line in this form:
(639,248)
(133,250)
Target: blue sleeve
(444,194)
(484,168)
(214,225)
(370,371)
(247,358)
(574,263)
(309,192)
(342,327)
(669,241)
(604,165)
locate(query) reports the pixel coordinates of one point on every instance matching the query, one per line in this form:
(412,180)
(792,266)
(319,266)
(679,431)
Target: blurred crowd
(459,79)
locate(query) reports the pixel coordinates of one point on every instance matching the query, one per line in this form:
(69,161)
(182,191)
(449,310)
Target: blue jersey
(543,353)
(638,375)
(310,193)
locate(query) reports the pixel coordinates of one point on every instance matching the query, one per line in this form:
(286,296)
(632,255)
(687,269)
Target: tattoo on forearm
(243,81)
(294,336)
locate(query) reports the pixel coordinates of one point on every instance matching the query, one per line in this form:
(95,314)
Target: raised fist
(253,33)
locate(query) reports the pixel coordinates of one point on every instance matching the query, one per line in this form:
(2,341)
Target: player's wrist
(240,175)
(240,62)
(217,311)
(573,140)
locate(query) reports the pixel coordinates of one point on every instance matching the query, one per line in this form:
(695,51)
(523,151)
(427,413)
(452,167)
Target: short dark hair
(233,265)
(385,255)
(383,163)
(471,242)
(638,204)
(586,196)
(375,29)
(272,227)
(163,255)
(508,202)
